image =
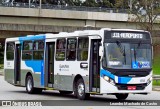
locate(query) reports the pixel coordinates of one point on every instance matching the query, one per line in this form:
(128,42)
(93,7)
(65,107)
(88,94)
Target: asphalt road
(10,92)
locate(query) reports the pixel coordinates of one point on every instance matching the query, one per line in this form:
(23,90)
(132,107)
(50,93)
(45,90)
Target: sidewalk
(1,71)
(156,88)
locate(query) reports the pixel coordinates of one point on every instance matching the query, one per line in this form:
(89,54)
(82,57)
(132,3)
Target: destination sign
(127,35)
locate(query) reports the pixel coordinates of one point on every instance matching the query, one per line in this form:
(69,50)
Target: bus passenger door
(17,64)
(49,64)
(94,71)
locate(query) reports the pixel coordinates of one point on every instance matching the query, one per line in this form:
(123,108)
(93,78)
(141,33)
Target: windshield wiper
(124,54)
(135,52)
(123,51)
(139,44)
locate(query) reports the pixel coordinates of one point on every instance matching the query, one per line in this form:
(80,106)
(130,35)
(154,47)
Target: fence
(63,7)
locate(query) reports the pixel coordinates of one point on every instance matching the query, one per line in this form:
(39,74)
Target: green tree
(90,3)
(145,13)
(1,52)
(121,4)
(70,2)
(106,3)
(77,3)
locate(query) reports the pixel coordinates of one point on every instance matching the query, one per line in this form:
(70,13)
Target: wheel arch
(76,78)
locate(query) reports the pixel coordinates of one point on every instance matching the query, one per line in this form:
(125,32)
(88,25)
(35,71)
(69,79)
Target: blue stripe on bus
(106,73)
(33,37)
(37,66)
(124,80)
(42,73)
(121,80)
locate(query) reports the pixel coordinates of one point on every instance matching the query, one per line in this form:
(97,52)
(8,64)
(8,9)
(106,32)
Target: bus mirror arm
(100,53)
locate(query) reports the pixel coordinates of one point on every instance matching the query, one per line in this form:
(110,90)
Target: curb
(156,88)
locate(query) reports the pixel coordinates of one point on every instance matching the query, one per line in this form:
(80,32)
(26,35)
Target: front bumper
(107,87)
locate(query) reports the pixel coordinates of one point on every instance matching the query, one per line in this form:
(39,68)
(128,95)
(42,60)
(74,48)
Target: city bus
(106,61)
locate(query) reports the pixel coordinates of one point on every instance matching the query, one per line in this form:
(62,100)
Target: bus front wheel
(80,90)
(120,96)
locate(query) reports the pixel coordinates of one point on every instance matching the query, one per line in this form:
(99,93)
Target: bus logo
(140,64)
(63,67)
(143,64)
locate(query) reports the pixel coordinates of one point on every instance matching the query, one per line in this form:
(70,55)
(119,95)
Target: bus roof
(66,34)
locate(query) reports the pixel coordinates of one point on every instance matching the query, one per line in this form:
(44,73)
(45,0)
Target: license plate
(131,87)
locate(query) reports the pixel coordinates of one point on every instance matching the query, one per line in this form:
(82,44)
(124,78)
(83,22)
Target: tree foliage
(1,52)
(121,4)
(145,13)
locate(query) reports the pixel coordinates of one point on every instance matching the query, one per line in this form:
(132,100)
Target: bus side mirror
(101,52)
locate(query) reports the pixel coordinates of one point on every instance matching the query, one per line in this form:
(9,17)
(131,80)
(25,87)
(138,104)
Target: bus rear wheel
(30,86)
(80,90)
(122,96)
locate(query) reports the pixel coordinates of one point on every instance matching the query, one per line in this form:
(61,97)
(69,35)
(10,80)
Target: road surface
(10,92)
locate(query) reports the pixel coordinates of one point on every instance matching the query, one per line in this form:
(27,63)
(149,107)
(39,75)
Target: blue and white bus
(105,61)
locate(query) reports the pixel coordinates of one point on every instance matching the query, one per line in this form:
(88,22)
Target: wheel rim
(81,89)
(29,85)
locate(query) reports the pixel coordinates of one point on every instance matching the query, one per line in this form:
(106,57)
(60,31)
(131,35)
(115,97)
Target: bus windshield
(128,56)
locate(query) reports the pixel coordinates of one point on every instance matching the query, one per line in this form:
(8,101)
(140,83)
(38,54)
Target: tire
(121,96)
(80,90)
(30,85)
(65,92)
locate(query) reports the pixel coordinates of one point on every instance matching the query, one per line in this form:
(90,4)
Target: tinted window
(27,55)
(38,50)
(28,45)
(27,50)
(60,49)
(10,51)
(38,45)
(82,51)
(71,49)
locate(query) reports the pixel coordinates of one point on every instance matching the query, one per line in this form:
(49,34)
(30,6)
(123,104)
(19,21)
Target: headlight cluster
(149,81)
(109,80)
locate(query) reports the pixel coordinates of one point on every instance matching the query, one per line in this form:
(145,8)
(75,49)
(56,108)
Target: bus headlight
(149,81)
(106,78)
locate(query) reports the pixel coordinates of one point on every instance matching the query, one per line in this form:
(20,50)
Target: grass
(1,66)
(156,83)
(156,70)
(156,66)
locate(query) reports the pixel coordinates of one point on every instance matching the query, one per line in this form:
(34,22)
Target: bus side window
(38,50)
(10,51)
(27,45)
(71,48)
(27,50)
(60,49)
(82,51)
